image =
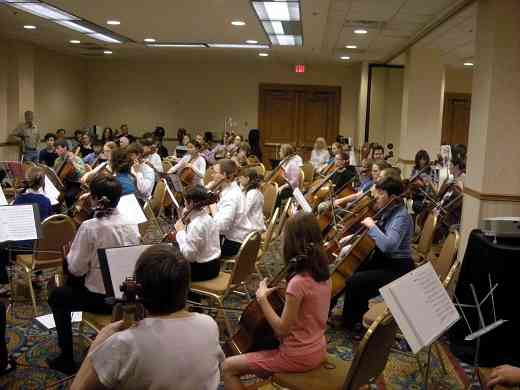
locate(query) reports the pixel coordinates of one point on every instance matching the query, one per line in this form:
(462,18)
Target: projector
(501,226)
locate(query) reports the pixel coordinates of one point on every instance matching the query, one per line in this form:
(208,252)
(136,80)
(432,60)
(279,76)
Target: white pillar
(359,136)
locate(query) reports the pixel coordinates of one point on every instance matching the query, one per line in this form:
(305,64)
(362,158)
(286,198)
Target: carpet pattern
(31,344)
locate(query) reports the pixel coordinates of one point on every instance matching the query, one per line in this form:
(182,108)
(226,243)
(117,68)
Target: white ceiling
(327,27)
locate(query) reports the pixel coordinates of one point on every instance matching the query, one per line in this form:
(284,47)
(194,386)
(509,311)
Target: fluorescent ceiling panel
(273,28)
(76,27)
(237,46)
(277,10)
(176,45)
(44,11)
(286,40)
(104,38)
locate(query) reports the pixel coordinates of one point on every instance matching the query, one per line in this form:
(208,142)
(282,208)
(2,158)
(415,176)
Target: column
(3,91)
(423,100)
(492,186)
(359,135)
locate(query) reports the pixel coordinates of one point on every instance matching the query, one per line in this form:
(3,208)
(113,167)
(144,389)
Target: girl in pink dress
(301,327)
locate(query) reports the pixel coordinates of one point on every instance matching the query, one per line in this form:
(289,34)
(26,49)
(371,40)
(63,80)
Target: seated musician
(92,158)
(48,155)
(291,164)
(150,154)
(422,164)
(392,257)
(170,349)
(192,159)
(376,168)
(72,181)
(198,239)
(377,152)
(250,182)
(343,175)
(122,167)
(107,229)
(302,323)
(229,214)
(103,163)
(243,152)
(320,154)
(143,173)
(334,148)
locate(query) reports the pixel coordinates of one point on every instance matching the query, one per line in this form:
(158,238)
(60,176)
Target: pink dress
(305,347)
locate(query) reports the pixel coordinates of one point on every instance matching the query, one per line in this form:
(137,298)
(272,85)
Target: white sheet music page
(51,191)
(421,306)
(18,223)
(3,200)
(131,209)
(121,264)
(302,201)
(170,194)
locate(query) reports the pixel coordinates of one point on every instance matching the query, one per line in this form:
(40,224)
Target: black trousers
(229,248)
(365,283)
(71,193)
(3,344)
(63,301)
(205,271)
(286,193)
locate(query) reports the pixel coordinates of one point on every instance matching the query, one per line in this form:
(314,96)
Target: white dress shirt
(199,242)
(145,180)
(230,215)
(254,210)
(291,169)
(93,234)
(156,161)
(198,165)
(319,158)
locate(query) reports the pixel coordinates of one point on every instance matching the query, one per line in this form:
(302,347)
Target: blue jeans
(31,155)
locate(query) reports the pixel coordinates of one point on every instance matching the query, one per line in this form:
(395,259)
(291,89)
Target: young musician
(378,152)
(335,148)
(150,154)
(107,229)
(291,164)
(320,154)
(198,238)
(121,165)
(392,258)
(301,327)
(85,147)
(229,215)
(96,156)
(143,173)
(72,182)
(422,164)
(48,155)
(241,157)
(170,348)
(106,156)
(108,135)
(250,182)
(192,160)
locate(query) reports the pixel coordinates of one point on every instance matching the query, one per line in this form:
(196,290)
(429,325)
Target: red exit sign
(300,68)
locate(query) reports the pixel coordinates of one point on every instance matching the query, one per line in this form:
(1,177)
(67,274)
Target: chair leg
(28,273)
(438,351)
(226,320)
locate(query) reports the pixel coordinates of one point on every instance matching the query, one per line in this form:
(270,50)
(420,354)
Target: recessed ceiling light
(469,64)
(351,47)
(263,54)
(29,27)
(360,31)
(345,57)
(107,52)
(238,23)
(251,41)
(151,40)
(75,41)
(113,22)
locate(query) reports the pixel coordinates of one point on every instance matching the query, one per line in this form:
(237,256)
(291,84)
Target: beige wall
(458,80)
(200,96)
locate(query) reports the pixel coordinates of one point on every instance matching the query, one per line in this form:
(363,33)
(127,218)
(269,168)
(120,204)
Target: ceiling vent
(366,24)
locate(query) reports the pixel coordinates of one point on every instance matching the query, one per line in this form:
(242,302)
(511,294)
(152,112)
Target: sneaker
(63,364)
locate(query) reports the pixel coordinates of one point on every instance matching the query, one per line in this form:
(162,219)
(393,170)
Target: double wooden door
(297,114)
(455,120)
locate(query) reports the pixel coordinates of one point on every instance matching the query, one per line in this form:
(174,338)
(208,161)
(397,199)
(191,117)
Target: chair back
(372,353)
(283,217)
(151,223)
(158,195)
(209,175)
(166,166)
(301,180)
(245,260)
(270,192)
(425,242)
(57,231)
(269,231)
(443,263)
(450,282)
(308,174)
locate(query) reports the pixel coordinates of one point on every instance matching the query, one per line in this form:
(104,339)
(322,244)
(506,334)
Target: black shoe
(63,364)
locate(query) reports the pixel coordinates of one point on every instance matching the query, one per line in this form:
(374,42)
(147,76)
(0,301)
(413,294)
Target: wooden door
(297,114)
(455,121)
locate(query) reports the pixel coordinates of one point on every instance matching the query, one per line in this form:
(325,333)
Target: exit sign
(300,68)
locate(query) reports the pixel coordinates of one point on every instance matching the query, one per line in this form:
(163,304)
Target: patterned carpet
(31,344)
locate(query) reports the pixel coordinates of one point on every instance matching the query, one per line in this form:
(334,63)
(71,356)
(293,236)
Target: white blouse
(156,161)
(230,215)
(145,180)
(199,242)
(292,170)
(198,165)
(319,158)
(254,210)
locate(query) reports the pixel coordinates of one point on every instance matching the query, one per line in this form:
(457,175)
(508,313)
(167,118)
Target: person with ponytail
(253,198)
(198,239)
(301,327)
(107,229)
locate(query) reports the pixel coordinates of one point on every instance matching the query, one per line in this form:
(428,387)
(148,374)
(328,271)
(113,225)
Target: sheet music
(131,209)
(121,264)
(51,191)
(3,200)
(18,223)
(170,194)
(421,306)
(48,320)
(302,201)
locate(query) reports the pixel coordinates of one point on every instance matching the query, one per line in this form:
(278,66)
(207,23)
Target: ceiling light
(251,42)
(238,23)
(177,45)
(75,26)
(107,52)
(104,38)
(351,47)
(75,41)
(469,64)
(151,40)
(286,40)
(275,27)
(345,57)
(360,31)
(263,54)
(29,27)
(236,46)
(277,10)
(44,11)
(113,22)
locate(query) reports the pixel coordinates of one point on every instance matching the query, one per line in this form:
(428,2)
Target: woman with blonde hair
(320,154)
